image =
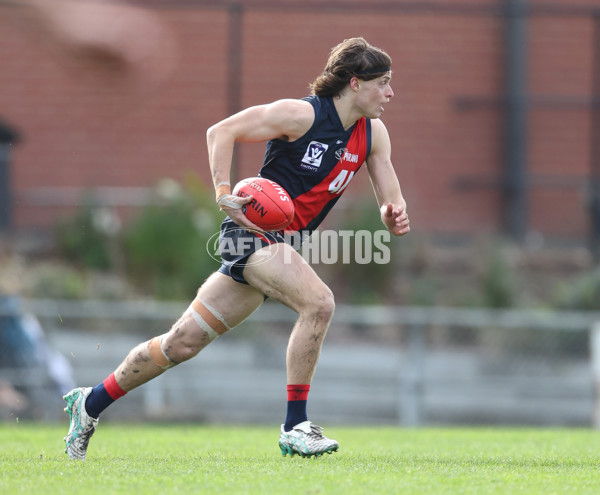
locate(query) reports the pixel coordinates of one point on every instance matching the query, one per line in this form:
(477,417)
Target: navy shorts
(236,244)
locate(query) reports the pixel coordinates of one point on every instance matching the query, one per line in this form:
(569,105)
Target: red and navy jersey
(316,168)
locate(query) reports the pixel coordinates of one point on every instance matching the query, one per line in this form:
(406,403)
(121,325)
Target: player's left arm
(392,204)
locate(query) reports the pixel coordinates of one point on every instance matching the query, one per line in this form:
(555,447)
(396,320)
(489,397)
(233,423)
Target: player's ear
(355,83)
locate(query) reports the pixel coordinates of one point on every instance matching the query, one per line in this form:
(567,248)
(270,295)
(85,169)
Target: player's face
(374,95)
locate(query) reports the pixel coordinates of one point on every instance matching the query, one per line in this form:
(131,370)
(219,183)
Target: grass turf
(126,459)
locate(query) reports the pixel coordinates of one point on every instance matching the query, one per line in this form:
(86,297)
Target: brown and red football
(271,207)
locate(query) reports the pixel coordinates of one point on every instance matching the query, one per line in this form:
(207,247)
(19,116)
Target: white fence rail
(382,365)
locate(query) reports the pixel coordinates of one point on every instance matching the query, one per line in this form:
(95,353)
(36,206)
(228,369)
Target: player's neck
(346,111)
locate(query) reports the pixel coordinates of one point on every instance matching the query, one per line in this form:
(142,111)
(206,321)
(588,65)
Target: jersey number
(340,182)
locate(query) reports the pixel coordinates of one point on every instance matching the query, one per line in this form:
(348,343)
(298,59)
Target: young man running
(315,145)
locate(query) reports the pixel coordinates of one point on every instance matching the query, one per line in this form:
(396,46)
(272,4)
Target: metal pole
(516,179)
(595,366)
(5,192)
(234,82)
(410,399)
(594,187)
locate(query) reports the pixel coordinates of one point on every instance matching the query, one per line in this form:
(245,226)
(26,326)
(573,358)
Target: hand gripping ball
(271,207)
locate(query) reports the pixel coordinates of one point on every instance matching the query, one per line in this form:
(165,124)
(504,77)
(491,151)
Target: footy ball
(271,207)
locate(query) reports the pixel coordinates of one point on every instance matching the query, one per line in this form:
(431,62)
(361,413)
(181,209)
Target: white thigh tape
(201,322)
(217,315)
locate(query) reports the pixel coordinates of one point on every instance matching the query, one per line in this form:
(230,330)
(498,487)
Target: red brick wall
(84,131)
(560,55)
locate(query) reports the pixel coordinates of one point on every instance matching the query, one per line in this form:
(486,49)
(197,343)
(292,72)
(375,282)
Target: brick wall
(84,129)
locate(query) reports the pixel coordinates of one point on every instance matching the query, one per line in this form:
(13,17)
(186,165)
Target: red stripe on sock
(112,387)
(297,392)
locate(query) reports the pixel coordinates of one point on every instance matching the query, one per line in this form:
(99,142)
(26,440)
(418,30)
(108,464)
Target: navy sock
(296,406)
(100,398)
(296,414)
(98,401)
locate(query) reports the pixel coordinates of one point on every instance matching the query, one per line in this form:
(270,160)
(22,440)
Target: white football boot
(306,439)
(82,425)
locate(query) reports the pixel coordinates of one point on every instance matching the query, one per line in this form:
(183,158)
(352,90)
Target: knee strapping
(158,354)
(208,319)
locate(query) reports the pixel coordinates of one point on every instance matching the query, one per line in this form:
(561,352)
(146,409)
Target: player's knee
(183,343)
(158,353)
(183,351)
(177,346)
(199,326)
(322,305)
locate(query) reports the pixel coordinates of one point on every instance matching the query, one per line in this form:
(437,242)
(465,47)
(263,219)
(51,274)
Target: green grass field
(165,459)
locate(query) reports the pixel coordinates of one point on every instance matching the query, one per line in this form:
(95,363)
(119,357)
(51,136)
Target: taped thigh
(208,319)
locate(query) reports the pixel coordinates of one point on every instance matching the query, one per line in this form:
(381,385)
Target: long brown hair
(352,57)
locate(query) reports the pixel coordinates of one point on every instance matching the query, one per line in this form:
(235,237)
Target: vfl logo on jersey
(345,155)
(314,155)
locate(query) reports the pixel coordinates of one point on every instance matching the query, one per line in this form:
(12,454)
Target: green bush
(162,251)
(581,294)
(165,247)
(497,282)
(57,282)
(368,283)
(83,240)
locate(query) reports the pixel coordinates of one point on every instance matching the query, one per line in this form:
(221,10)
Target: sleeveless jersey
(316,168)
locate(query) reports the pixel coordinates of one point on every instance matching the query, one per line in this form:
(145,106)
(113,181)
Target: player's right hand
(232,202)
(232,205)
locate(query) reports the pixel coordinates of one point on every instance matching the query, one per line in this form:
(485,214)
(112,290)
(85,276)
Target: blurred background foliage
(162,252)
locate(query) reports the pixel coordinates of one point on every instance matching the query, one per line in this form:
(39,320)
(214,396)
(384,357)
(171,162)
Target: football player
(314,147)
